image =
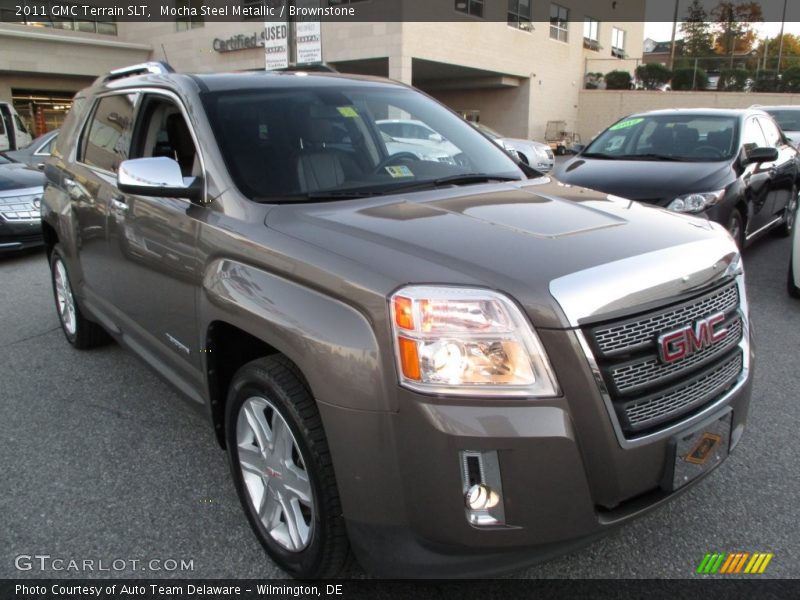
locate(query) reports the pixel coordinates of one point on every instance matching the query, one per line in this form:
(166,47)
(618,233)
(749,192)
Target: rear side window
(106,138)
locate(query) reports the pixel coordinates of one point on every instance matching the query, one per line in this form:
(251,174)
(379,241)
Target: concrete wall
(600,108)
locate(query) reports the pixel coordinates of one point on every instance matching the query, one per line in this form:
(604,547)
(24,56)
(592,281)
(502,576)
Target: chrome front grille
(636,333)
(20,208)
(651,411)
(642,373)
(648,393)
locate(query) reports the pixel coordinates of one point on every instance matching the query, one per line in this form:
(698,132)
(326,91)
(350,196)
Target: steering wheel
(394,157)
(708,150)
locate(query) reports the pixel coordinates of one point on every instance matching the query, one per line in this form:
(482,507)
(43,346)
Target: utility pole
(674,31)
(780,44)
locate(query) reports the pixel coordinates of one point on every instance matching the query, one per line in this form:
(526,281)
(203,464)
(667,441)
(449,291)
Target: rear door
(152,241)
(90,182)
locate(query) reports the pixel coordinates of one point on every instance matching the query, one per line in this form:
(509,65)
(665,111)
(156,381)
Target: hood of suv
(646,180)
(503,236)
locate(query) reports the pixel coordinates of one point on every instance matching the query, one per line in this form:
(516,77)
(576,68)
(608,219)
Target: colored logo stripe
(734,562)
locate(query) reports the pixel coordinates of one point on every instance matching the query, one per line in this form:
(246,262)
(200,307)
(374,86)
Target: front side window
(752,136)
(618,42)
(332,142)
(20,124)
(686,138)
(107,137)
(519,14)
(162,131)
(470,7)
(559,22)
(771,132)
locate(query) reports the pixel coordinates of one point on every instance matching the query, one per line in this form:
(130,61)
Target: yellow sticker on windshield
(399,171)
(625,124)
(347,111)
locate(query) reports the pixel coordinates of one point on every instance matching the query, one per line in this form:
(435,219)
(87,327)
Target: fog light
(481,497)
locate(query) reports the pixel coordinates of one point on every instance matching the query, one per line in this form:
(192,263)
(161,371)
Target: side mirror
(761,155)
(436,137)
(158,176)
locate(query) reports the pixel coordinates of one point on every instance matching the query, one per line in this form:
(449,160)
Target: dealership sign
(276,45)
(309,42)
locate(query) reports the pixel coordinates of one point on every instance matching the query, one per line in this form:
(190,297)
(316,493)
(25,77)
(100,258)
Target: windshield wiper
(651,156)
(460,179)
(601,155)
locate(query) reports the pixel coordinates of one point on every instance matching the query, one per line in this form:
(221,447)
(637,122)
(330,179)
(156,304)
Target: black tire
(80,333)
(791,286)
(278,380)
(790,217)
(736,228)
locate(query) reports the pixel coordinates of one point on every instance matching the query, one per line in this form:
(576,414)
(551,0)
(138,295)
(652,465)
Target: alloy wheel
(274,474)
(64,298)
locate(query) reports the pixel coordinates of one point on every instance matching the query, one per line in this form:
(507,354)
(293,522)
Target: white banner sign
(276,45)
(309,42)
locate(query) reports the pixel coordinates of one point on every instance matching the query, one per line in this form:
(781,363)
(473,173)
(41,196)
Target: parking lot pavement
(101,459)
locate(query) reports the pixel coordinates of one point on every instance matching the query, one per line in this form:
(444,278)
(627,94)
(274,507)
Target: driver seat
(320,167)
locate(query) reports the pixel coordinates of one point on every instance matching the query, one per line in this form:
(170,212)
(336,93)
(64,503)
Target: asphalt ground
(101,460)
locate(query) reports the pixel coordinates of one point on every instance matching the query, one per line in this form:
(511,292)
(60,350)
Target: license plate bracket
(697,451)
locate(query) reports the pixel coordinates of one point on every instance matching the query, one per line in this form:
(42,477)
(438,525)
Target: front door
(153,241)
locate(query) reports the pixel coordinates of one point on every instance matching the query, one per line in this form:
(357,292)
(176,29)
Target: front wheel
(282,469)
(736,228)
(789,216)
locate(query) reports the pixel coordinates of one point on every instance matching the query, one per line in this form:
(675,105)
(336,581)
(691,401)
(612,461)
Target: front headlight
(467,341)
(694,203)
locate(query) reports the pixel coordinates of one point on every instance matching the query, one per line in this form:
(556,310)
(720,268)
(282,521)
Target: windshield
(788,119)
(668,137)
(4,160)
(289,144)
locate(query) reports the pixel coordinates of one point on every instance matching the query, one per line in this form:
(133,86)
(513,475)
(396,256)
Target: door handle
(118,203)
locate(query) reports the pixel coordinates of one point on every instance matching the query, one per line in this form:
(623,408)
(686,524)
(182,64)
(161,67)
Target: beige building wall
(601,108)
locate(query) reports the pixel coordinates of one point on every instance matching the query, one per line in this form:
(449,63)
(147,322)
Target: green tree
(689,79)
(698,40)
(791,51)
(734,26)
(790,81)
(652,75)
(618,80)
(733,80)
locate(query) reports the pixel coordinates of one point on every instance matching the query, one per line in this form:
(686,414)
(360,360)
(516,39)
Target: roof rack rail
(156,67)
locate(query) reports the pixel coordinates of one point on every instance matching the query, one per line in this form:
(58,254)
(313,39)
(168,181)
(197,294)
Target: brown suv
(448,367)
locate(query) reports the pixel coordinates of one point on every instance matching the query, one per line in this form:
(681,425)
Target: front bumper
(20,235)
(565,478)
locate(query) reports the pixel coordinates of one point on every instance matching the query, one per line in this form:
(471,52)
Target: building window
(470,7)
(519,14)
(104,25)
(559,22)
(618,42)
(188,22)
(591,35)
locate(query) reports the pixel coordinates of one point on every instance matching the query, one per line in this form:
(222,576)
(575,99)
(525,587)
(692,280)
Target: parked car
(21,191)
(13,133)
(449,369)
(788,117)
(421,151)
(535,154)
(734,167)
(37,152)
(416,132)
(793,283)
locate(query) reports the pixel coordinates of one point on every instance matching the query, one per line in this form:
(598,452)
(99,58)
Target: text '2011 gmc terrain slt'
(444,367)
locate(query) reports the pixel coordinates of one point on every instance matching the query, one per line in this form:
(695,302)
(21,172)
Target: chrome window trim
(631,282)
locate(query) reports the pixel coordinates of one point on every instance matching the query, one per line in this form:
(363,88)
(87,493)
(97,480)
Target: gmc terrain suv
(448,367)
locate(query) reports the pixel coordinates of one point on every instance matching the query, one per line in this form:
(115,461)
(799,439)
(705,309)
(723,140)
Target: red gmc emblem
(682,342)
